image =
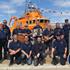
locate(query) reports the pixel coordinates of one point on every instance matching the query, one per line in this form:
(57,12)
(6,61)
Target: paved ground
(31,67)
(5,66)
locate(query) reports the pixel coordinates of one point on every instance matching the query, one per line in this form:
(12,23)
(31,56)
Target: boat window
(45,21)
(27,22)
(41,20)
(38,20)
(33,21)
(30,22)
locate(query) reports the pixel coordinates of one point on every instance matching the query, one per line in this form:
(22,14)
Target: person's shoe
(41,62)
(18,63)
(54,62)
(11,63)
(29,63)
(22,63)
(36,62)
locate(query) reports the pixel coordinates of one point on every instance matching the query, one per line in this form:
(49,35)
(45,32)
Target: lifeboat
(30,17)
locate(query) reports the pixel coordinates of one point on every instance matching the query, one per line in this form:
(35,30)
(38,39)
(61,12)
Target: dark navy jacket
(26,47)
(37,27)
(2,35)
(38,48)
(17,31)
(26,31)
(7,31)
(60,46)
(58,30)
(14,45)
(47,32)
(66,29)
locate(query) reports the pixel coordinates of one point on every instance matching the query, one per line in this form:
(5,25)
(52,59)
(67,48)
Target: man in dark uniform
(26,30)
(2,39)
(8,33)
(37,30)
(6,28)
(59,50)
(48,37)
(37,25)
(26,50)
(66,29)
(38,51)
(15,51)
(58,29)
(17,30)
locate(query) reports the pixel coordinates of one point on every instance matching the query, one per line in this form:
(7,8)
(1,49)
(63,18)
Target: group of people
(37,44)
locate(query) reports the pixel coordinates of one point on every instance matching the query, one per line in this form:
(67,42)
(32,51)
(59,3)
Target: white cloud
(7,9)
(66,4)
(10,11)
(61,3)
(18,2)
(4,6)
(65,14)
(1,15)
(10,8)
(62,14)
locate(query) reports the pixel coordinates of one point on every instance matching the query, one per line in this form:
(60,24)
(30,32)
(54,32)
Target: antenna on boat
(26,5)
(29,6)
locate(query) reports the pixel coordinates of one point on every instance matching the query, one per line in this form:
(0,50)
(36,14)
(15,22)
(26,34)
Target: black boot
(36,62)
(11,63)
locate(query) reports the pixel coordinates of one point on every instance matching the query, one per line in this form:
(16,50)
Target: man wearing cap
(2,39)
(58,29)
(59,50)
(66,29)
(8,33)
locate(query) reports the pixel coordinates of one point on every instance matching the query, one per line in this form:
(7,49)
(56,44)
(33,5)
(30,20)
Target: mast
(26,2)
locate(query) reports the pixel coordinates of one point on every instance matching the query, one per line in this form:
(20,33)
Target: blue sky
(55,10)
